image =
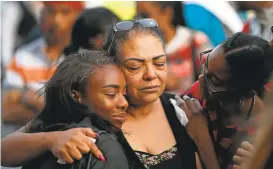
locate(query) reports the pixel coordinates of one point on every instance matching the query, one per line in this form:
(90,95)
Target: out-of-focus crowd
(36,35)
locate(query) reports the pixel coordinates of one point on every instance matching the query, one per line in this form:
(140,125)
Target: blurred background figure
(34,63)
(19,25)
(36,36)
(257,17)
(89,29)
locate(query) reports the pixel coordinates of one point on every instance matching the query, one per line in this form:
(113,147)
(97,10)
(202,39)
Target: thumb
(89,132)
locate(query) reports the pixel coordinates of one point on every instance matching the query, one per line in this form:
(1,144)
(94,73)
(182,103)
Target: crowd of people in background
(211,60)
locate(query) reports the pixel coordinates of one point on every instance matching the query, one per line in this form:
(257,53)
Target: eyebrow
(142,60)
(112,86)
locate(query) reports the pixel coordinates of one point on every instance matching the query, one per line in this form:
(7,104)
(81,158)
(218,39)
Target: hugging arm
(112,151)
(20,147)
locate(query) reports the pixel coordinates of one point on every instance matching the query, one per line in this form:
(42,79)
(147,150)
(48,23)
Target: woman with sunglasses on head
(232,84)
(78,95)
(152,135)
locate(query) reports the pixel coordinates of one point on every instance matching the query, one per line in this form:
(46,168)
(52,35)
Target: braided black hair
(250,59)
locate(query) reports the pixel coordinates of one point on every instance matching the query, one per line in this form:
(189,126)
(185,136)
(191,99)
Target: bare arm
(198,130)
(207,153)
(20,147)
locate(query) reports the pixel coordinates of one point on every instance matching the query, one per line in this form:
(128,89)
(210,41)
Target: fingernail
(96,135)
(176,97)
(186,97)
(101,158)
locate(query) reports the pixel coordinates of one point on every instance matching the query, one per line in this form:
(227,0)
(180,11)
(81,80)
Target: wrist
(48,140)
(202,139)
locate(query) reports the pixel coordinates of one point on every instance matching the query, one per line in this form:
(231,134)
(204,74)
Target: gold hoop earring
(242,103)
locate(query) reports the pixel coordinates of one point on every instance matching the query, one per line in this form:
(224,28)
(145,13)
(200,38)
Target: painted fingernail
(96,134)
(101,158)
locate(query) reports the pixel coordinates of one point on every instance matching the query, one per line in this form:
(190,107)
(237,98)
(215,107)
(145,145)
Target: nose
(150,73)
(122,103)
(58,18)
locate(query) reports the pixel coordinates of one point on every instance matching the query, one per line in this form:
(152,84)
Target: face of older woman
(143,61)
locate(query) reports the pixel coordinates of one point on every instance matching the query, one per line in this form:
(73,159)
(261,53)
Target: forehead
(142,46)
(216,60)
(107,74)
(58,6)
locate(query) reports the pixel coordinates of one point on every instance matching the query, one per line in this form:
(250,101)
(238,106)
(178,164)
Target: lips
(150,89)
(119,117)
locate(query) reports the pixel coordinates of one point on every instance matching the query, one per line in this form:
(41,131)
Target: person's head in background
(169,15)
(139,52)
(57,19)
(255,5)
(235,72)
(89,29)
(85,83)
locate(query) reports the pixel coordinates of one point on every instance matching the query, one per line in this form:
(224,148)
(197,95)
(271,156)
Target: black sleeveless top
(181,156)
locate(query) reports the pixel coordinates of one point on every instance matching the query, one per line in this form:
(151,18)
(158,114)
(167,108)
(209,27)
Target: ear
(77,96)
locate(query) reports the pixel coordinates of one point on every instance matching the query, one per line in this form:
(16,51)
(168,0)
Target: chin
(117,126)
(150,98)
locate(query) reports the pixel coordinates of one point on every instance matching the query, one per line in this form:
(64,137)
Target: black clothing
(106,142)
(185,146)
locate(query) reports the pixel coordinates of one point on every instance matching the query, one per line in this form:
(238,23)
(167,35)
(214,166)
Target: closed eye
(160,64)
(111,94)
(134,68)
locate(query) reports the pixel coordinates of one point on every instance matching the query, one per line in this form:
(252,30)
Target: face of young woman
(143,61)
(105,94)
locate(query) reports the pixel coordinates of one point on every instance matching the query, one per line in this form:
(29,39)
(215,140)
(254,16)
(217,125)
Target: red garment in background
(182,63)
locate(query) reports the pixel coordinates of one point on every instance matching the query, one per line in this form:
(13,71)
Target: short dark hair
(178,15)
(122,36)
(250,59)
(89,24)
(71,74)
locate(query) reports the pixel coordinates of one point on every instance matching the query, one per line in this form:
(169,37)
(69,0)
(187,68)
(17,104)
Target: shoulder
(112,152)
(165,97)
(110,147)
(30,50)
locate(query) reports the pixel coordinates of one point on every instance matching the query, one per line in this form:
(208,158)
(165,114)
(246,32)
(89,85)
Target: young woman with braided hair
(232,84)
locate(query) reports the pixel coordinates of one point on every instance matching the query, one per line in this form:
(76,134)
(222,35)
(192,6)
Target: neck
(142,111)
(55,48)
(53,52)
(169,33)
